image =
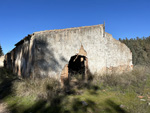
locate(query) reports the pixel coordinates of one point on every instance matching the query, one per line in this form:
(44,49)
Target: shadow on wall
(38,61)
(44,59)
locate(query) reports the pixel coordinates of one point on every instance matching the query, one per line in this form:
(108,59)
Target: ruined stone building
(55,53)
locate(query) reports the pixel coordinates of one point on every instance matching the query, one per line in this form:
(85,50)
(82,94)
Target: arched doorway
(77,66)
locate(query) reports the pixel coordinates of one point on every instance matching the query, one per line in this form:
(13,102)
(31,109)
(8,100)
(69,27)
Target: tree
(120,39)
(140,48)
(1,51)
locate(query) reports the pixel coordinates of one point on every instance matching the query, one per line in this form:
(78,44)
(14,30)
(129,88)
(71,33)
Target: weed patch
(124,93)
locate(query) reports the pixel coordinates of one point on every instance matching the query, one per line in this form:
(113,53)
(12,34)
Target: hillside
(140,48)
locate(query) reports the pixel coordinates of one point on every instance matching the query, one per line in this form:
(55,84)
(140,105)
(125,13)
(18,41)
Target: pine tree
(1,51)
(140,48)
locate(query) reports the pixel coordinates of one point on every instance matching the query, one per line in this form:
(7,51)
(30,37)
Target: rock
(148,97)
(79,92)
(122,106)
(140,97)
(142,100)
(84,103)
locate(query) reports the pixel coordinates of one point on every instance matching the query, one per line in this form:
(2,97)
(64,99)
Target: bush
(134,80)
(36,87)
(105,93)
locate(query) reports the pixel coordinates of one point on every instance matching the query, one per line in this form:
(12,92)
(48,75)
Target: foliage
(1,51)
(140,48)
(6,75)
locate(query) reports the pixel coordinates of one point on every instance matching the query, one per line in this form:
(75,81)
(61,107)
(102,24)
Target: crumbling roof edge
(22,41)
(82,27)
(108,34)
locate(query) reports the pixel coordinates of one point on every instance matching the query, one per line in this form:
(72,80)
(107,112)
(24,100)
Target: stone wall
(21,59)
(1,61)
(46,53)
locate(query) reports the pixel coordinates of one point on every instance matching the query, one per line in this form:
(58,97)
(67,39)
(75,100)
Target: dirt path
(3,108)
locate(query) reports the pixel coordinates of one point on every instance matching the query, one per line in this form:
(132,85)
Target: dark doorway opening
(77,66)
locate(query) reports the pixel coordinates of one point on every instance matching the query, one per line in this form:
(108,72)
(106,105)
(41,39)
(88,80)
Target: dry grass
(136,78)
(36,87)
(102,93)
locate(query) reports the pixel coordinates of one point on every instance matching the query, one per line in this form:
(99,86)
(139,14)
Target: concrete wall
(46,53)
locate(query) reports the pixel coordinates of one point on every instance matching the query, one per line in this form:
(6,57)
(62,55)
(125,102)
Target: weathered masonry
(1,61)
(56,53)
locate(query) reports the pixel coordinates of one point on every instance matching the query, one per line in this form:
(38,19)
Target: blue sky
(123,18)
